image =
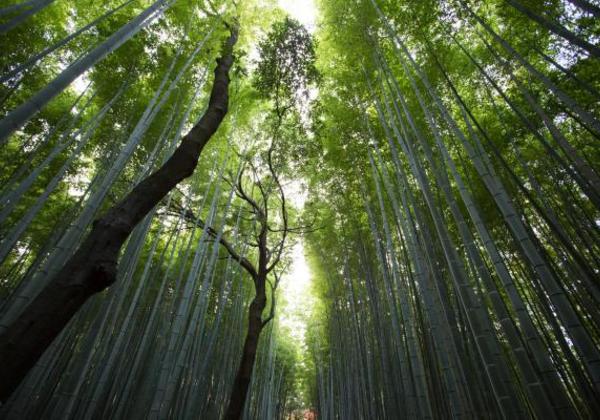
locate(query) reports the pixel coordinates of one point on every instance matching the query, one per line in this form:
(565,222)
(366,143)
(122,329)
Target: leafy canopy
(286,68)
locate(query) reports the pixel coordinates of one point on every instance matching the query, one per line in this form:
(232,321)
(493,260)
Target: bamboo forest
(299,209)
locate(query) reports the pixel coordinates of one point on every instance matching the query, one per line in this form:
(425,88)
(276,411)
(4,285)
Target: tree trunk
(243,376)
(93,267)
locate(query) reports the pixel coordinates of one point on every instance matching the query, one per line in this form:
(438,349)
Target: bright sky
(296,293)
(302,10)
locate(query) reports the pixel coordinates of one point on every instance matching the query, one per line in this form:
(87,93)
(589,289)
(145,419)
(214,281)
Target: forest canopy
(223,209)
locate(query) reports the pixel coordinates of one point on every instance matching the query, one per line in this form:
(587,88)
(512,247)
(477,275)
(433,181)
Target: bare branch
(273,299)
(301,229)
(264,194)
(240,192)
(284,214)
(188,215)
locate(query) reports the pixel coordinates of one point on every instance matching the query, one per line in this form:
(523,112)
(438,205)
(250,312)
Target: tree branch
(273,300)
(284,214)
(242,261)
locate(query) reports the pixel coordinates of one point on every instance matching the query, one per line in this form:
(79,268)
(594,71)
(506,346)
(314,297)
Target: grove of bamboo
(437,161)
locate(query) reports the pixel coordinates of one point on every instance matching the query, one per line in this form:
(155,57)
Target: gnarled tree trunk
(241,385)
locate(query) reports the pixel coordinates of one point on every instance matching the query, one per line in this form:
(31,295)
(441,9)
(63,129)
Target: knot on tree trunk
(102,275)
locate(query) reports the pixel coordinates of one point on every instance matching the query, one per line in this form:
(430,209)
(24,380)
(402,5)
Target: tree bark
(241,384)
(93,267)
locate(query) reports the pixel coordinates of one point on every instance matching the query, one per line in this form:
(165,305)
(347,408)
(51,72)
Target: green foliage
(326,111)
(286,71)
